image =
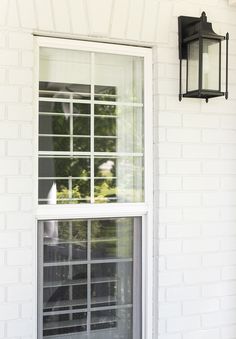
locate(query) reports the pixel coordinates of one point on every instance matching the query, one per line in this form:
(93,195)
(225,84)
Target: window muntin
(90,112)
(90,279)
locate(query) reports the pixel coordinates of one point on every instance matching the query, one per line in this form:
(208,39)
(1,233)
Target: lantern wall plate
(201,47)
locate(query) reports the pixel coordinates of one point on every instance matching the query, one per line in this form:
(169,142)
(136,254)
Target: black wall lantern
(200,46)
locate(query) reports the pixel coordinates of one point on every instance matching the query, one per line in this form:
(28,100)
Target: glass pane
(81,125)
(211,69)
(54,107)
(118,78)
(54,144)
(193,65)
(111,239)
(79,108)
(68,67)
(64,180)
(49,124)
(85,293)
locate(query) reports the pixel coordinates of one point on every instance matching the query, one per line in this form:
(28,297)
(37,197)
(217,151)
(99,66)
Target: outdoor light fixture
(200,46)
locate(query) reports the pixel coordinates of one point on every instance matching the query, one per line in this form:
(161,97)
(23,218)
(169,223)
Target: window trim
(144,210)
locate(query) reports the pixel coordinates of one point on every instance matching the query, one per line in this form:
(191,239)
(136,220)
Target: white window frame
(144,210)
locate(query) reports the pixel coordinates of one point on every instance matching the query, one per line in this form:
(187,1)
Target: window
(94,199)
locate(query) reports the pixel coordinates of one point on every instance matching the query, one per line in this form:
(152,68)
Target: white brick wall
(195,163)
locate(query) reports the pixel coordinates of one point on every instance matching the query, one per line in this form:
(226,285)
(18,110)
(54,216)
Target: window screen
(90,278)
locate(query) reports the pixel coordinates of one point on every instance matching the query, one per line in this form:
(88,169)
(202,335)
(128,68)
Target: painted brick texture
(194,161)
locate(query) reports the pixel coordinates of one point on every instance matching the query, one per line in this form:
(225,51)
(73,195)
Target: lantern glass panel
(193,66)
(211,65)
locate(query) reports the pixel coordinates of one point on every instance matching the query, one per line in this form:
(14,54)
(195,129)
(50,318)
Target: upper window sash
(93,122)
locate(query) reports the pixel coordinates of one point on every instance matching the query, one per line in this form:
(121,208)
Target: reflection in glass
(91,278)
(193,65)
(211,69)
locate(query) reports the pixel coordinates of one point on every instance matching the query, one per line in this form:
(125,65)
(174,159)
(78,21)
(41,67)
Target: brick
(20,148)
(9,311)
(183,231)
(26,130)
(169,150)
(26,203)
(9,166)
(19,292)
(169,310)
(227,151)
(2,185)
(27,95)
(229,273)
(170,278)
(8,203)
(202,275)
(27,275)
(183,167)
(9,239)
(201,151)
(169,246)
(2,329)
(228,244)
(219,289)
(9,58)
(20,327)
(21,41)
(200,183)
(9,275)
(26,239)
(9,94)
(183,135)
(220,258)
(200,214)
(26,167)
(27,310)
(170,215)
(203,334)
(169,119)
(9,130)
(219,136)
(200,121)
(218,318)
(169,183)
(183,324)
(200,245)
(27,57)
(20,112)
(228,332)
(228,302)
(200,306)
(183,262)
(19,257)
(20,77)
(183,199)
(19,185)
(19,220)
